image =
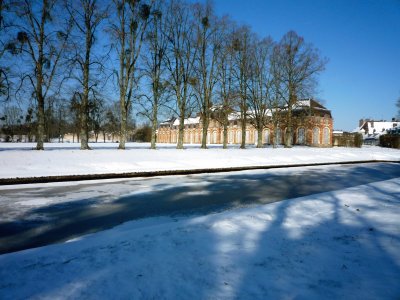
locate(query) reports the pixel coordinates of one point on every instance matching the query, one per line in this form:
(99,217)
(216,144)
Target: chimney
(361,122)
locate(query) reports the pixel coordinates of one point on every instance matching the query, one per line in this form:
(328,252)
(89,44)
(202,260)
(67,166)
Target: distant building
(372,129)
(312,126)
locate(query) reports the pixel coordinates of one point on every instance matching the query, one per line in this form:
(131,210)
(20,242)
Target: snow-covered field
(337,245)
(18,160)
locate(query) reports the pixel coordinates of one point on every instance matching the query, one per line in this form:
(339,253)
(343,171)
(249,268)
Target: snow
(18,160)
(336,245)
(188,121)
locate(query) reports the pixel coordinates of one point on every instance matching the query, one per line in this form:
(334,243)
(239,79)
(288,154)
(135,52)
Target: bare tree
(296,65)
(42,41)
(209,44)
(97,114)
(260,85)
(5,46)
(11,119)
(241,45)
(129,32)
(154,69)
(113,123)
(87,15)
(181,53)
(75,115)
(225,76)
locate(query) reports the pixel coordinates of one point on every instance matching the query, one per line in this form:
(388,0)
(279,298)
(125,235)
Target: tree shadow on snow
(323,257)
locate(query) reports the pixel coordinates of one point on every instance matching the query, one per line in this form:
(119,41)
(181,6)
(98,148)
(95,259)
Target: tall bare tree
(260,85)
(181,53)
(87,15)
(226,90)
(209,45)
(154,69)
(129,32)
(241,45)
(296,65)
(42,37)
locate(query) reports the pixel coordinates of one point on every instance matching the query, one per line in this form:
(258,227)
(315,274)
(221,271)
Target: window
(315,140)
(278,136)
(326,136)
(301,136)
(238,136)
(266,136)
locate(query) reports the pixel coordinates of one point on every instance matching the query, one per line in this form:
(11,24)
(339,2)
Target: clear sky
(361,39)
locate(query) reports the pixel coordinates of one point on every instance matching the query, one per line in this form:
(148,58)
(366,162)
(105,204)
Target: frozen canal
(37,215)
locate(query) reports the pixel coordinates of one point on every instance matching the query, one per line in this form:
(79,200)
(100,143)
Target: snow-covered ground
(18,160)
(337,245)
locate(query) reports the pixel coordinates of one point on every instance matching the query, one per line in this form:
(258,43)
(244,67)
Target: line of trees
(152,57)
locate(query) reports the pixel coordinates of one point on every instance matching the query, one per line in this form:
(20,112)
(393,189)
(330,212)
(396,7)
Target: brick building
(312,126)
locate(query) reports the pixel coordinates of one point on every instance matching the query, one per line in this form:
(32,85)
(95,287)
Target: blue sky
(361,39)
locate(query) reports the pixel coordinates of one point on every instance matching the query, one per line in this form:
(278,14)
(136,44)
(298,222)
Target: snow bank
(337,245)
(18,160)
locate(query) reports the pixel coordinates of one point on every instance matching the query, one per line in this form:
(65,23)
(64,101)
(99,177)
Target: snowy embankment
(18,160)
(337,245)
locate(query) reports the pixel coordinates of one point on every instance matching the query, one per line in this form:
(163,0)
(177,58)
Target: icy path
(335,245)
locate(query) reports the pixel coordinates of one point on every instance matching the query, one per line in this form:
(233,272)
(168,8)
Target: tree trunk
(84,134)
(84,130)
(40,125)
(154,128)
(225,136)
(124,116)
(288,135)
(206,122)
(39,91)
(181,131)
(259,137)
(243,143)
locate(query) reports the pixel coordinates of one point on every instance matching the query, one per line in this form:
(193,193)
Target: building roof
(188,121)
(376,127)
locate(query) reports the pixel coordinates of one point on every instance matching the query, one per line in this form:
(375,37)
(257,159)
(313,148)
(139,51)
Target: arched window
(214,141)
(266,136)
(186,139)
(230,137)
(326,133)
(315,140)
(278,136)
(238,137)
(301,136)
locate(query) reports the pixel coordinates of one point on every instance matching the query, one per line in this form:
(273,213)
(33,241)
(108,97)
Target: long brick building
(312,126)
